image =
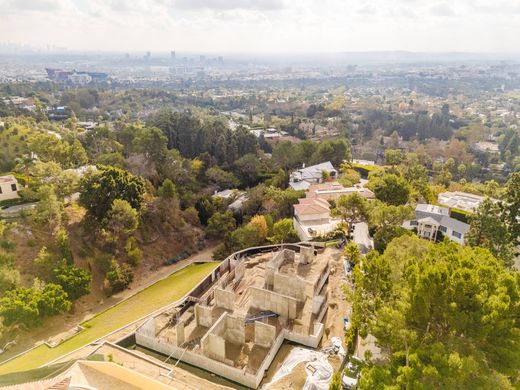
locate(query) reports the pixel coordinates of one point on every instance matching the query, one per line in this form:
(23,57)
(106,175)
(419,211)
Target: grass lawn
(152,298)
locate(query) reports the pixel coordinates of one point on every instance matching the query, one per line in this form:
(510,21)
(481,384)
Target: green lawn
(152,298)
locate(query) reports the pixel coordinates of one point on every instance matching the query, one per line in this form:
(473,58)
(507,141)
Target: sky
(263,26)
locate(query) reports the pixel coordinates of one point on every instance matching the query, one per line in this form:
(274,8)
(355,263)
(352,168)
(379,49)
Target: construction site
(235,323)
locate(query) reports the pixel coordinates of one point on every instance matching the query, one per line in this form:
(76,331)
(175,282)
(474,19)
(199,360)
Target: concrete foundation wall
(179,331)
(289,285)
(225,299)
(240,270)
(203,315)
(214,347)
(265,334)
(317,303)
(306,255)
(235,331)
(201,361)
(282,305)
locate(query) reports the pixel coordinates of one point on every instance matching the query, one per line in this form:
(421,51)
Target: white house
(304,177)
(430,220)
(460,200)
(8,187)
(332,190)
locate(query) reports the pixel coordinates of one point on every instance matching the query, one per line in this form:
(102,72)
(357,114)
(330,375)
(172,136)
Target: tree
(121,221)
(74,281)
(283,231)
(382,214)
(489,230)
(446,314)
(119,276)
(168,190)
(386,234)
(52,299)
(352,253)
(99,189)
(27,306)
(9,278)
(222,179)
(260,223)
(511,206)
(63,244)
(392,189)
(20,306)
(393,157)
(49,209)
(351,209)
(221,224)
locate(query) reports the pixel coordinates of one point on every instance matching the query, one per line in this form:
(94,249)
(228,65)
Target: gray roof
(441,215)
(314,171)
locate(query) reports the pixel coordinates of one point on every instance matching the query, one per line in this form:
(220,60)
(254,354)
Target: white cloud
(263,26)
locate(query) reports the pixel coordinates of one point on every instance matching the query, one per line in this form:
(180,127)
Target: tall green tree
(489,230)
(99,189)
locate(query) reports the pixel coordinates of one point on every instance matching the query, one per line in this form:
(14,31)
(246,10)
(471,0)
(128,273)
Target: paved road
(362,237)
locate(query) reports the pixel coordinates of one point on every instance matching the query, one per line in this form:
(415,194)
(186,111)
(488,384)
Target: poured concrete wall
(203,315)
(234,331)
(240,270)
(265,334)
(306,255)
(225,299)
(214,347)
(179,331)
(274,264)
(289,285)
(283,305)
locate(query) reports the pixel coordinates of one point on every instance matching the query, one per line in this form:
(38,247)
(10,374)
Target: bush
(75,281)
(133,252)
(119,277)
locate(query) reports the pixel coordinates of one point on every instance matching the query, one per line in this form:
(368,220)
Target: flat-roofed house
(333,190)
(460,200)
(8,187)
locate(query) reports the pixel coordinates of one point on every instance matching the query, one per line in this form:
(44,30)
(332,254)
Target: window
(0,189)
(413,223)
(456,234)
(13,187)
(443,229)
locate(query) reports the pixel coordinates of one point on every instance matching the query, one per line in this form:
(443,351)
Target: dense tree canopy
(445,315)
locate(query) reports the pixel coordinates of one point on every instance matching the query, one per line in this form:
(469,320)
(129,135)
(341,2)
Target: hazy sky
(264,25)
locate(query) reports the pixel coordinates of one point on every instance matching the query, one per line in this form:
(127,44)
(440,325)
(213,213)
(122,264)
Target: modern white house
(304,177)
(431,220)
(460,200)
(8,187)
(332,190)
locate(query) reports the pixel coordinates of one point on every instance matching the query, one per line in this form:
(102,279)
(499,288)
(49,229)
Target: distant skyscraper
(172,55)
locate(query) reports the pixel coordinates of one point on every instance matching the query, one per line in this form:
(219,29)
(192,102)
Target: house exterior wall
(7,191)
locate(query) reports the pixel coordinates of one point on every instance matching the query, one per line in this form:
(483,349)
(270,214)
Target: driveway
(362,237)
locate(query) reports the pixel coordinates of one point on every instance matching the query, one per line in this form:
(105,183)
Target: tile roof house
(431,220)
(304,177)
(312,218)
